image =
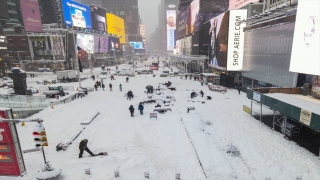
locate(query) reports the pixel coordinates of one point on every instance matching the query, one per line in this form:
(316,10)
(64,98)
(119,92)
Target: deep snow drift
(229,142)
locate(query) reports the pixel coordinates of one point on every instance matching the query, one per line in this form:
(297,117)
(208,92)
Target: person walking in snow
(201,92)
(83,147)
(127,79)
(96,86)
(131,110)
(110,86)
(239,87)
(120,87)
(141,108)
(112,78)
(103,86)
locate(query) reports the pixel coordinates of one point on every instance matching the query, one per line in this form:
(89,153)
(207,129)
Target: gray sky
(148,10)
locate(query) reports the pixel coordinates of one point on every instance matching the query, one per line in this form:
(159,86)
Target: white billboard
(236,39)
(305,55)
(171,27)
(85,42)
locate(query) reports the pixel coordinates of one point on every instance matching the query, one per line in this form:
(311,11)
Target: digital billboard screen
(171,27)
(182,20)
(137,45)
(76,14)
(219,41)
(100,44)
(31,16)
(86,42)
(114,44)
(305,56)
(98,18)
(195,20)
(116,26)
(41,47)
(210,9)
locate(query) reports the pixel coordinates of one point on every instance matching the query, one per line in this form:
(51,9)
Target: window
(24,41)
(10,41)
(122,13)
(23,49)
(12,49)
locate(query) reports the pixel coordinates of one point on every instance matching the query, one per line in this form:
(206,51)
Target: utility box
(292,130)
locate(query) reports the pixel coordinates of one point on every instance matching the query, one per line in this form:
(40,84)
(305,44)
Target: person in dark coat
(209,98)
(103,86)
(193,94)
(131,110)
(129,95)
(110,86)
(127,79)
(186,76)
(141,108)
(239,87)
(120,87)
(96,86)
(93,77)
(201,92)
(83,147)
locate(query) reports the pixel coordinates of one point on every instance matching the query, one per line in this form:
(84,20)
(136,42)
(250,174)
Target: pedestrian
(110,86)
(195,78)
(83,147)
(30,75)
(112,78)
(186,76)
(96,86)
(141,108)
(103,86)
(193,94)
(93,77)
(127,79)
(120,87)
(239,87)
(131,110)
(99,84)
(201,92)
(190,76)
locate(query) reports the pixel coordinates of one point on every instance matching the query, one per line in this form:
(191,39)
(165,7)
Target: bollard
(22,124)
(116,173)
(146,175)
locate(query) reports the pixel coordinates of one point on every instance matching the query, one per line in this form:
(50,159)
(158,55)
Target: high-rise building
(10,11)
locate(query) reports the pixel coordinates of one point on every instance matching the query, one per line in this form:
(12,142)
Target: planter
(49,175)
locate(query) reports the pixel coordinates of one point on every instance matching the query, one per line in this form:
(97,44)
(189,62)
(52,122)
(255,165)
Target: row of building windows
(273,1)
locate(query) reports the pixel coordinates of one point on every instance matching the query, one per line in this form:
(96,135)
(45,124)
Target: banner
(171,27)
(236,39)
(305,56)
(210,9)
(57,48)
(31,15)
(182,20)
(41,47)
(76,14)
(188,45)
(96,44)
(195,19)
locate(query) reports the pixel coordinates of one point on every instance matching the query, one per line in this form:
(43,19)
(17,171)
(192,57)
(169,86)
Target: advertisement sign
(114,44)
(210,9)
(171,27)
(236,4)
(177,49)
(187,46)
(195,20)
(116,26)
(86,42)
(41,47)
(98,18)
(57,48)
(96,44)
(104,42)
(181,47)
(31,15)
(76,14)
(219,41)
(182,21)
(305,48)
(315,91)
(137,45)
(236,39)
(11,160)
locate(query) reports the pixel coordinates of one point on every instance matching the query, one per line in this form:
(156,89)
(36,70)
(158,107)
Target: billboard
(116,26)
(177,49)
(76,14)
(171,27)
(31,15)
(104,42)
(98,18)
(114,44)
(182,20)
(305,48)
(86,42)
(210,9)
(41,47)
(57,48)
(137,45)
(96,44)
(236,4)
(236,39)
(195,20)
(219,41)
(188,45)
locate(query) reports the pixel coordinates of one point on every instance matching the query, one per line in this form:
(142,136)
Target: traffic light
(40,137)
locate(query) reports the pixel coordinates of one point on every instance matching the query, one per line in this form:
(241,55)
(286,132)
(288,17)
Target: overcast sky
(148,10)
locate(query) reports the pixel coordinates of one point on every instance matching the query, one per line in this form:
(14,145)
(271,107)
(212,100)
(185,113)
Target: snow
(304,102)
(162,146)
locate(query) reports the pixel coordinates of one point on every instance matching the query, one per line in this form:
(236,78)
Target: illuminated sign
(171,27)
(76,14)
(115,26)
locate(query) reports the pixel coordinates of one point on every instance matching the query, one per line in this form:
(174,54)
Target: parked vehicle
(68,75)
(104,75)
(44,70)
(129,73)
(103,67)
(53,91)
(145,72)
